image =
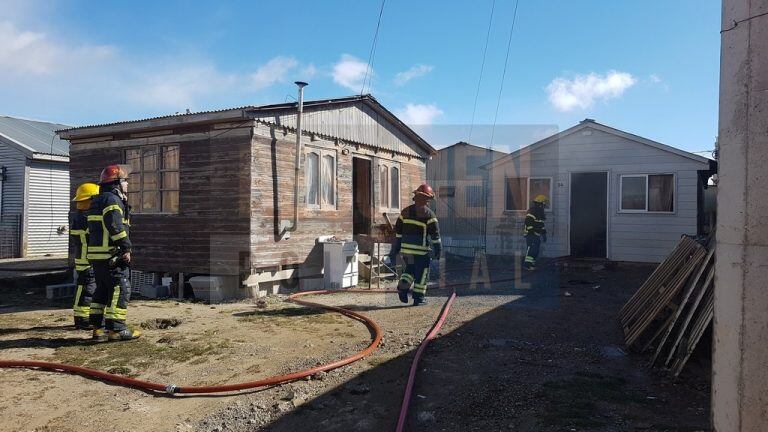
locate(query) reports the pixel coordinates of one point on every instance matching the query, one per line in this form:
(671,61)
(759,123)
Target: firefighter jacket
(534,221)
(108,226)
(78,239)
(417,233)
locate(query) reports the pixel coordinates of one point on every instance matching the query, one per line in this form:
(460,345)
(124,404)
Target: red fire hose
(279,379)
(415,364)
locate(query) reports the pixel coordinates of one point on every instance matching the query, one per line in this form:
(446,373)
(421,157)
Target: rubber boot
(419,300)
(82,323)
(99,335)
(127,333)
(402,291)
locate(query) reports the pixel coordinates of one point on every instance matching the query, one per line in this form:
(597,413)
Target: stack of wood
(674,307)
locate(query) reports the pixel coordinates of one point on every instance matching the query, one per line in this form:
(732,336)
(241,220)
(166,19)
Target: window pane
(384,190)
(134,200)
(149,156)
(328,180)
(633,193)
(170,179)
(661,193)
(540,187)
(171,157)
(516,199)
(312,172)
(395,199)
(149,181)
(473,196)
(133,158)
(150,201)
(171,202)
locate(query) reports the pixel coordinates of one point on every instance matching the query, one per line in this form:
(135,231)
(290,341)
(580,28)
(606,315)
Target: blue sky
(647,67)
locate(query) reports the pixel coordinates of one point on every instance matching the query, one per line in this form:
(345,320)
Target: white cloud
(414,72)
(350,72)
(655,78)
(272,72)
(180,87)
(33,53)
(419,114)
(582,91)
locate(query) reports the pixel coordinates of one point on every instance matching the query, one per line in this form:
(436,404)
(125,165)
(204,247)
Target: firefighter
(534,231)
(109,252)
(78,249)
(416,235)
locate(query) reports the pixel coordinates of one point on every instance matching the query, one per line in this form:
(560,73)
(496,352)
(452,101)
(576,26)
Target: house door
(361,196)
(589,226)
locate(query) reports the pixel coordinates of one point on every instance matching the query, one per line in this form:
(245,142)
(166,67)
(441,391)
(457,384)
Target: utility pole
(740,357)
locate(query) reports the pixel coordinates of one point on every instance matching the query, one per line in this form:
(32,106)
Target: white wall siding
(12,200)
(645,237)
(47,209)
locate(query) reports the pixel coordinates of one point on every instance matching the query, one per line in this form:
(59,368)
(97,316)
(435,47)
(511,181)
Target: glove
(544,237)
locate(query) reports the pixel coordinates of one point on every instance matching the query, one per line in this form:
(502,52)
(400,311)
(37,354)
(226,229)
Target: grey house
(34,189)
(612,195)
(459,181)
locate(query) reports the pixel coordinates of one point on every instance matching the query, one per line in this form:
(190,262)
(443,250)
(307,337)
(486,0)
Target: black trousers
(533,243)
(86,286)
(110,301)
(415,275)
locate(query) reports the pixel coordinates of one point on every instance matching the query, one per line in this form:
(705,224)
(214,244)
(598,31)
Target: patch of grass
(161,323)
(575,400)
(292,317)
(137,354)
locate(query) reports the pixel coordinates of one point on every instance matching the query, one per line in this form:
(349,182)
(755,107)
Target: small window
(648,193)
(447,191)
(474,196)
(516,194)
(389,185)
(320,178)
(154,180)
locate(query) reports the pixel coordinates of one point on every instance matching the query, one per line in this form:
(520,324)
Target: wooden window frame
(138,186)
(390,165)
(321,153)
(647,194)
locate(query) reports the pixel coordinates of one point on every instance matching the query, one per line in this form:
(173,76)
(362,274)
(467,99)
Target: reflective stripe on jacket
(534,222)
(78,240)
(108,227)
(417,234)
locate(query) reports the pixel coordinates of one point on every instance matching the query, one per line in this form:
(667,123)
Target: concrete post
(740,363)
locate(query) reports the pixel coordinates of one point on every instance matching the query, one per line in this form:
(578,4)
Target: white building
(34,189)
(612,195)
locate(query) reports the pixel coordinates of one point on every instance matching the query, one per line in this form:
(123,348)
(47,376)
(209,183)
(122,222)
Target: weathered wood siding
(643,237)
(211,232)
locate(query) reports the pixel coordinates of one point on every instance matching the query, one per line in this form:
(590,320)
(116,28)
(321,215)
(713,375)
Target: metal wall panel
(11,200)
(47,209)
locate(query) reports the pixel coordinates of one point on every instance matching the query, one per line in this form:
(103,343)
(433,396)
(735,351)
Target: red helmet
(113,173)
(425,190)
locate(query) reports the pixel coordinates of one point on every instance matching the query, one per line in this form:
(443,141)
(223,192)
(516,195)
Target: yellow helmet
(86,191)
(541,199)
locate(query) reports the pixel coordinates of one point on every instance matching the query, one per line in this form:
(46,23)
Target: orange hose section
(274,380)
(415,364)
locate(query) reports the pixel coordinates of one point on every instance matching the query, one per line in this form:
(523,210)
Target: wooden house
(211,191)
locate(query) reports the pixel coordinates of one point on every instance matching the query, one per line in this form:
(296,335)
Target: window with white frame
(389,186)
(520,191)
(652,193)
(320,178)
(154,178)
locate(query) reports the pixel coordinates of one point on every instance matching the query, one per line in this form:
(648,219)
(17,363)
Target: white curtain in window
(384,190)
(312,172)
(395,199)
(328,180)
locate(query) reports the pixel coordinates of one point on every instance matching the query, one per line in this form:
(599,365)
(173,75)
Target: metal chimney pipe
(295,223)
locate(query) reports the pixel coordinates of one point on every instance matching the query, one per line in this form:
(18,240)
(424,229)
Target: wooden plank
(688,292)
(691,313)
(700,326)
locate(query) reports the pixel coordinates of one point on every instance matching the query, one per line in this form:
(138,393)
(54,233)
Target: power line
(373,50)
(482,67)
(503,74)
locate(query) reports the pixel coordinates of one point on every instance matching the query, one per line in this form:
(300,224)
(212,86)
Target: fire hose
(274,380)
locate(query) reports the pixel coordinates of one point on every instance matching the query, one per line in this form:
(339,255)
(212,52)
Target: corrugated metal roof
(34,136)
(181,115)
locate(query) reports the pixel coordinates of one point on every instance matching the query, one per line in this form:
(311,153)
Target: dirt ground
(540,352)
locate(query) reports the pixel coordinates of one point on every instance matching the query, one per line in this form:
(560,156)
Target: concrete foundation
(740,364)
